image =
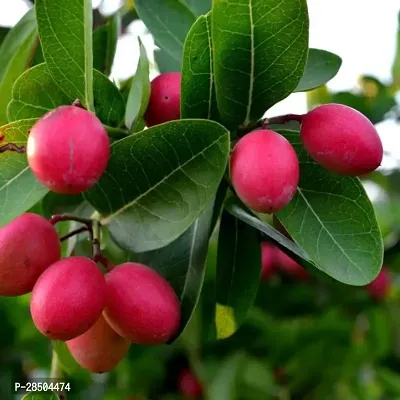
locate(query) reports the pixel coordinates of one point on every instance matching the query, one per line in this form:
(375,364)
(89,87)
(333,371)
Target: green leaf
(158,181)
(182,262)
(197,87)
(199,7)
(16,51)
(40,396)
(3,33)
(238,274)
(260,52)
(105,39)
(396,62)
(333,220)
(169,22)
(19,189)
(139,93)
(165,62)
(35,93)
(236,208)
(321,67)
(65,30)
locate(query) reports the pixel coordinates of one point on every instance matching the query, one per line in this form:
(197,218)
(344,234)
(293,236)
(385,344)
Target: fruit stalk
(12,147)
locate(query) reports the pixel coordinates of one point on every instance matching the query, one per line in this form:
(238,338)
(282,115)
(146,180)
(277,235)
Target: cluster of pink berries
(98,315)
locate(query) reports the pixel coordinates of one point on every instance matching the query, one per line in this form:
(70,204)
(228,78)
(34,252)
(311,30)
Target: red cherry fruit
(268,257)
(379,288)
(289,266)
(68,150)
(265,171)
(28,245)
(189,385)
(341,139)
(100,348)
(141,305)
(68,298)
(165,99)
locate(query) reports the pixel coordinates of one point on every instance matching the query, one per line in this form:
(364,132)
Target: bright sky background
(362,32)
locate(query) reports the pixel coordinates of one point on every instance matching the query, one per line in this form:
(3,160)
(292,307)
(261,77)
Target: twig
(12,147)
(73,233)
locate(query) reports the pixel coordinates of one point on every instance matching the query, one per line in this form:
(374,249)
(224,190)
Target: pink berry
(165,99)
(141,305)
(28,245)
(68,298)
(189,385)
(68,150)
(341,139)
(379,288)
(100,348)
(268,257)
(265,171)
(289,266)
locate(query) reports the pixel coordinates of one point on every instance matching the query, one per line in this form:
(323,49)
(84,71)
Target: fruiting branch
(90,226)
(263,123)
(12,147)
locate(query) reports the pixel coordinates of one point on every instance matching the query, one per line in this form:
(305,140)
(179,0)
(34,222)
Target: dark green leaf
(3,33)
(321,67)
(165,62)
(333,220)
(54,203)
(35,93)
(65,30)
(19,189)
(182,262)
(105,39)
(40,396)
(234,206)
(158,181)
(16,52)
(260,52)
(169,21)
(197,87)
(139,93)
(199,7)
(238,274)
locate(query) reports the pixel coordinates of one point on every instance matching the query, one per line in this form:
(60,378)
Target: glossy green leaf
(236,208)
(36,93)
(105,39)
(65,30)
(16,51)
(333,220)
(182,262)
(158,181)
(165,62)
(197,87)
(169,22)
(321,67)
(238,274)
(260,52)
(199,7)
(19,189)
(139,93)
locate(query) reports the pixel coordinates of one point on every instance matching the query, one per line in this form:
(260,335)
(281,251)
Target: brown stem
(66,217)
(97,256)
(263,123)
(12,147)
(73,233)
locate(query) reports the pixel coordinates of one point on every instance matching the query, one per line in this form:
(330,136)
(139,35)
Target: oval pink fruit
(28,245)
(141,305)
(264,170)
(68,298)
(68,150)
(341,139)
(165,99)
(100,348)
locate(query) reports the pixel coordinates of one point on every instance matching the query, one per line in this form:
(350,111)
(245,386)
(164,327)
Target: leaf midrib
(106,220)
